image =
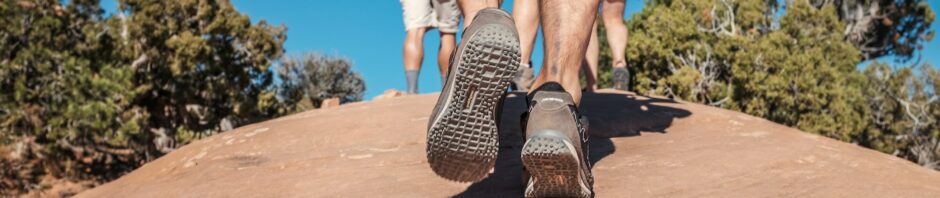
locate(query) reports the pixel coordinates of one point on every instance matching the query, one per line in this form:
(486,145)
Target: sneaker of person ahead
(462,132)
(555,155)
(524,78)
(621,78)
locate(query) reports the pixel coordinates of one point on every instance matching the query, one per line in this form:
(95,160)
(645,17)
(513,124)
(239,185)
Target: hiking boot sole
(463,136)
(553,165)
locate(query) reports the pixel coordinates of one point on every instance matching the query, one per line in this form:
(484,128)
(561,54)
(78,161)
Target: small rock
(390,93)
(332,102)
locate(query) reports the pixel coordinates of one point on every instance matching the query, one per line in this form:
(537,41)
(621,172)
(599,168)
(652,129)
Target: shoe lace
(583,126)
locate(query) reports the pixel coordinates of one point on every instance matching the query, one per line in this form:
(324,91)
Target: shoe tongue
(559,96)
(551,103)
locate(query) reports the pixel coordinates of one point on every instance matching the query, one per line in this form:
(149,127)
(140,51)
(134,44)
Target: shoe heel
(553,164)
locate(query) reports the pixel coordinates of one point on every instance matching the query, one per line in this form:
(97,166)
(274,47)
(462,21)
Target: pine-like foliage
(66,101)
(905,112)
(199,65)
(802,75)
(884,28)
(321,77)
(85,96)
(796,68)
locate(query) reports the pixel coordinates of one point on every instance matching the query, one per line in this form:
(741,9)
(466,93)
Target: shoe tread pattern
(462,145)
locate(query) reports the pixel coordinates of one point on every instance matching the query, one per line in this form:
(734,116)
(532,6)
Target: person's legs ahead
(448,41)
(412,56)
(590,60)
(447,21)
(526,15)
(612,13)
(417,15)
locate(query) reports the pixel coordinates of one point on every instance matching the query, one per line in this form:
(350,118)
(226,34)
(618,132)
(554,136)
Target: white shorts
(441,14)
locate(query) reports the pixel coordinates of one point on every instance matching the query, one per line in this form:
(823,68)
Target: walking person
(612,16)
(462,132)
(419,17)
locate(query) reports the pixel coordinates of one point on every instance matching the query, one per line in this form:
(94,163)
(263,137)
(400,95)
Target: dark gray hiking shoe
(524,78)
(462,132)
(621,78)
(555,153)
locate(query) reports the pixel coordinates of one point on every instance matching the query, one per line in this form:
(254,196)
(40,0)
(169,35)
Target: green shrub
(796,70)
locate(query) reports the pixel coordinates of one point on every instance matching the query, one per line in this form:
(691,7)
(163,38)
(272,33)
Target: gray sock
(443,81)
(412,77)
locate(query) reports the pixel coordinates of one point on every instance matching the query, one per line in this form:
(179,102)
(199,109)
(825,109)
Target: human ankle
(620,64)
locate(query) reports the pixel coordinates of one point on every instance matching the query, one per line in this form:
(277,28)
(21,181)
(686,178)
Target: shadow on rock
(611,115)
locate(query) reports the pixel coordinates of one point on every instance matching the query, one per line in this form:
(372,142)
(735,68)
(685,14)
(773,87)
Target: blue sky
(370,33)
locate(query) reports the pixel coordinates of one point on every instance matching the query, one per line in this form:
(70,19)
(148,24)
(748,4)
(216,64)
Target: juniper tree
(85,97)
(905,109)
(880,28)
(798,68)
(198,64)
(65,99)
(724,53)
(323,77)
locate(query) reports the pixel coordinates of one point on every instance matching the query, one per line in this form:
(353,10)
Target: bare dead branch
(722,25)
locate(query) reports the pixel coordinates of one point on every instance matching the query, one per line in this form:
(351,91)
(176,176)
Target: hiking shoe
(524,77)
(462,133)
(621,78)
(555,151)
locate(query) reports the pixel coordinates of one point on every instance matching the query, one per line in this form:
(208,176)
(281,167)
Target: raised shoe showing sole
(462,133)
(555,151)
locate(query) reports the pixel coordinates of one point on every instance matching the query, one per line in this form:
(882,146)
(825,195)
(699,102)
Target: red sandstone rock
(644,147)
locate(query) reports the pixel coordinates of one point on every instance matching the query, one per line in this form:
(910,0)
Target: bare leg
(414,44)
(526,14)
(469,8)
(448,41)
(567,27)
(413,55)
(590,60)
(612,12)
